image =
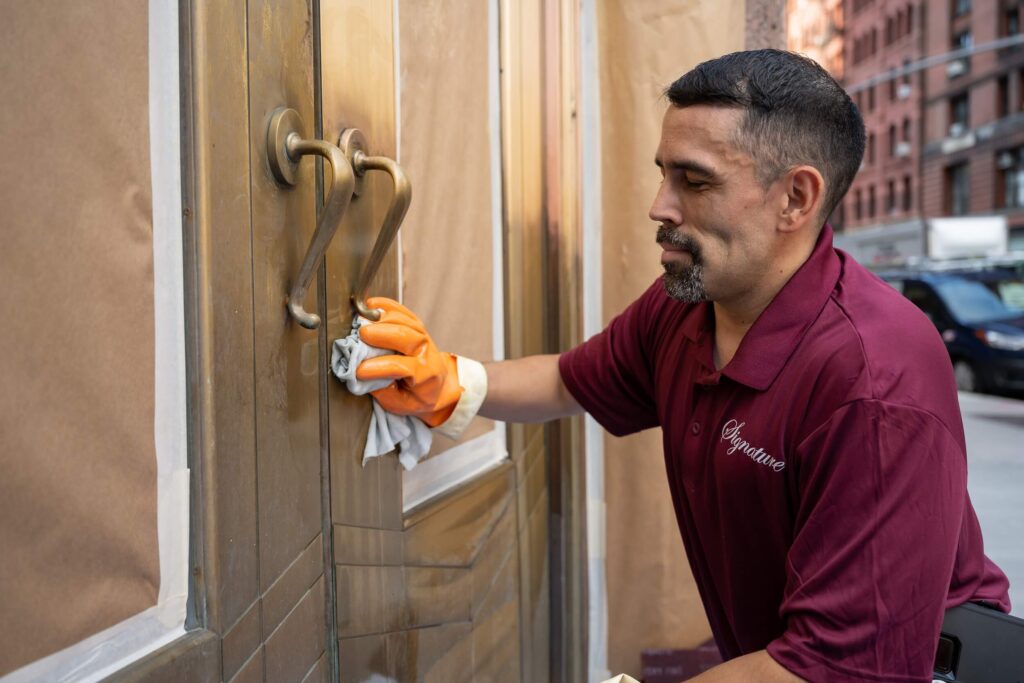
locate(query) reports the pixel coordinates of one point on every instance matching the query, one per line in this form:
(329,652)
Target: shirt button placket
(695,428)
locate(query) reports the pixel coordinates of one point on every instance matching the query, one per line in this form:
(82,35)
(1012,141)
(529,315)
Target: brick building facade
(947,140)
(882,38)
(973,155)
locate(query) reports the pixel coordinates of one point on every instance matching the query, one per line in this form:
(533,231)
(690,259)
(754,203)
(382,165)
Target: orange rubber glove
(426,381)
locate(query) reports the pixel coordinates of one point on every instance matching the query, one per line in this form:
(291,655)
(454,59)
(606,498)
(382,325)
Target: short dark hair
(795,113)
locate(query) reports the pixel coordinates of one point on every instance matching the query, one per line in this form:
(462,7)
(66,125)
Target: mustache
(668,235)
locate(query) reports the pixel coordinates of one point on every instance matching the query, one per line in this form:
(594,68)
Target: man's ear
(805,194)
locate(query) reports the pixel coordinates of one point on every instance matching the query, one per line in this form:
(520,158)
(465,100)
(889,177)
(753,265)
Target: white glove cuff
(473,380)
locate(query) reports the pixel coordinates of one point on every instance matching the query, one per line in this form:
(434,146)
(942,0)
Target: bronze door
(306,567)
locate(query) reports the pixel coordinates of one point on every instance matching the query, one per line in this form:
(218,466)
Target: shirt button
(695,428)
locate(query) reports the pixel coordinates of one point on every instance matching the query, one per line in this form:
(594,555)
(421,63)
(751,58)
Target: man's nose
(665,208)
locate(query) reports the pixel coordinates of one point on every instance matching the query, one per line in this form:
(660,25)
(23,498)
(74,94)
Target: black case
(980,645)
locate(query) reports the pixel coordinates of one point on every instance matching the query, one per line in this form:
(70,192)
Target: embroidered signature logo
(731,434)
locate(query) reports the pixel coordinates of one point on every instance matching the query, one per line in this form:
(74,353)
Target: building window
(1010,163)
(1020,90)
(908,199)
(1010,25)
(1003,97)
(890,197)
(889,32)
(961,41)
(961,7)
(959,114)
(871,148)
(892,86)
(871,98)
(871,201)
(874,41)
(906,130)
(892,140)
(858,209)
(910,18)
(957,189)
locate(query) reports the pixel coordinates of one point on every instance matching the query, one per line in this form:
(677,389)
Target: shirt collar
(774,336)
(697,327)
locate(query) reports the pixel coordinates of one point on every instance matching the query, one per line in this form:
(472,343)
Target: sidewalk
(995,461)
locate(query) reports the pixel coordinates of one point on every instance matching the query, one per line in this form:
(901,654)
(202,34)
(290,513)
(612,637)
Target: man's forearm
(527,390)
(757,666)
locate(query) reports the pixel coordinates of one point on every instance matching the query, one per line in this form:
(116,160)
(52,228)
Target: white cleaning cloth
(410,435)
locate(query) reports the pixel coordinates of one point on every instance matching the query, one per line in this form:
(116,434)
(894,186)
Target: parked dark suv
(984,336)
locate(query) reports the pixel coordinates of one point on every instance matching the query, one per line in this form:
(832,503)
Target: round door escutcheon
(284,123)
(353,145)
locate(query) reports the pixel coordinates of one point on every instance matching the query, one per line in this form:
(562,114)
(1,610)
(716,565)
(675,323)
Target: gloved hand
(426,381)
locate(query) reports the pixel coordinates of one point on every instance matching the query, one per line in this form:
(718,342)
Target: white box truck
(912,242)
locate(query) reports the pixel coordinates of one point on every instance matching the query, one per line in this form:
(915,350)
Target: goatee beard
(683,283)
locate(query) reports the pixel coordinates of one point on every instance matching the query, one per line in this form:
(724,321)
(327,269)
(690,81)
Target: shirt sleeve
(611,374)
(882,493)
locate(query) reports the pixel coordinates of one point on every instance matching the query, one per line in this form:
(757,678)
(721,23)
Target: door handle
(353,144)
(285,148)
(349,163)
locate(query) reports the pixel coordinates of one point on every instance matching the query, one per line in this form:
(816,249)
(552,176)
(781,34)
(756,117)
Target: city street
(995,447)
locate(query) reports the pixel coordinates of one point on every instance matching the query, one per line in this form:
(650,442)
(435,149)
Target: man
(813,441)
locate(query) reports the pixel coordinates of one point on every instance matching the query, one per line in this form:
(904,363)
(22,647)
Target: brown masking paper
(78,520)
(643,46)
(445,149)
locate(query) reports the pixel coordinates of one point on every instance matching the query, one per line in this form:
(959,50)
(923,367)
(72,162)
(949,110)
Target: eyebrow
(687,165)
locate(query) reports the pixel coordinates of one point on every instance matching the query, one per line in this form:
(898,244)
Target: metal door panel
(217,201)
(294,627)
(287,392)
(454,535)
(357,66)
(320,673)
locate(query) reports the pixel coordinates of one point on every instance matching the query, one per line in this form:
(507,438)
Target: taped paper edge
(104,653)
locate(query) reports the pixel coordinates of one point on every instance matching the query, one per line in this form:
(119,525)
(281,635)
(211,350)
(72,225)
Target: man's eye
(695,184)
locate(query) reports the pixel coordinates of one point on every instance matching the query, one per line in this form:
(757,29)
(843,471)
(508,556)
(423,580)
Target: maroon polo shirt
(819,480)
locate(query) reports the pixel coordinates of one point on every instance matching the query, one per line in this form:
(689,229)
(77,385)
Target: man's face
(717,223)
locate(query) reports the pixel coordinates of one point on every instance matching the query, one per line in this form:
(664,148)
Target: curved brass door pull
(349,163)
(285,147)
(353,144)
